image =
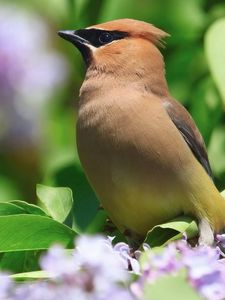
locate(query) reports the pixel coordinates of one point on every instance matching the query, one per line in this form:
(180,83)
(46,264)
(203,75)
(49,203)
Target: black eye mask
(98,37)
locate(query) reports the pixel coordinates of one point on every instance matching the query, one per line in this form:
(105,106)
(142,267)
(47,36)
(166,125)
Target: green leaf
(29,208)
(30,275)
(7,208)
(57,201)
(17,207)
(171,287)
(20,261)
(8,188)
(98,224)
(215,53)
(32,232)
(216,150)
(206,105)
(163,234)
(86,206)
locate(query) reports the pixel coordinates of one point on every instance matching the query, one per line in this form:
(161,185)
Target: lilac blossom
(157,265)
(163,263)
(129,259)
(220,239)
(6,285)
(93,271)
(205,271)
(97,270)
(30,73)
(57,263)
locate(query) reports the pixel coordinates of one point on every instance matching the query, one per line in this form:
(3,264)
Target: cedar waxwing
(140,148)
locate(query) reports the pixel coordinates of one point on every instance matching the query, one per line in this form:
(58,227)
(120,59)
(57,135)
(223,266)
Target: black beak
(73,37)
(80,43)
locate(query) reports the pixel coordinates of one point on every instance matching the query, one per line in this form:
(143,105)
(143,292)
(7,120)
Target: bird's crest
(136,28)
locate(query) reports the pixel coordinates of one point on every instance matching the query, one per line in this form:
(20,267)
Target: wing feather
(186,125)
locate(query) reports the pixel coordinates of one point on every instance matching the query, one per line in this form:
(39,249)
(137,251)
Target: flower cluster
(203,265)
(93,271)
(97,270)
(29,74)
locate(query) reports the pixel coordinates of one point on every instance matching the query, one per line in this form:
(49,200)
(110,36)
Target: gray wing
(185,124)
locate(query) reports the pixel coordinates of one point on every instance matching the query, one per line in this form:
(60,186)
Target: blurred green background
(40,76)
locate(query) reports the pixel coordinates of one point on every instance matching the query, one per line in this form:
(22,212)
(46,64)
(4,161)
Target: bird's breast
(124,149)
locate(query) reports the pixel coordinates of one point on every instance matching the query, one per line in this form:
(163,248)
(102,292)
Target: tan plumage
(140,149)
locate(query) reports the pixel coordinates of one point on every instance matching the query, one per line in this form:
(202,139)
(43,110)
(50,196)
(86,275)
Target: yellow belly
(138,206)
(139,178)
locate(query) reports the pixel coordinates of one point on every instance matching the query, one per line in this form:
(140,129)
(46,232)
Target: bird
(140,148)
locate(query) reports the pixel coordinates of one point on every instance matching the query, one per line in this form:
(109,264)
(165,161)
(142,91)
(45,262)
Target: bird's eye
(105,38)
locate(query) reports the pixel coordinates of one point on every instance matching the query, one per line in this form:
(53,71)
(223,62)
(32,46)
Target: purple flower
(29,75)
(95,256)
(34,291)
(117,294)
(124,251)
(205,271)
(6,286)
(213,291)
(220,239)
(93,268)
(166,262)
(98,271)
(94,271)
(200,261)
(160,264)
(57,262)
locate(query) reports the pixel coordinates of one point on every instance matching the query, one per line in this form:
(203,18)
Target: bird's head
(118,38)
(120,47)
